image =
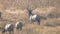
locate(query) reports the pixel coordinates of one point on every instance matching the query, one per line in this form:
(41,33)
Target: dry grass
(33,28)
(13,11)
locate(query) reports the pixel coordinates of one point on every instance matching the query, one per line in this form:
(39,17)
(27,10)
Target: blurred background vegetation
(16,10)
